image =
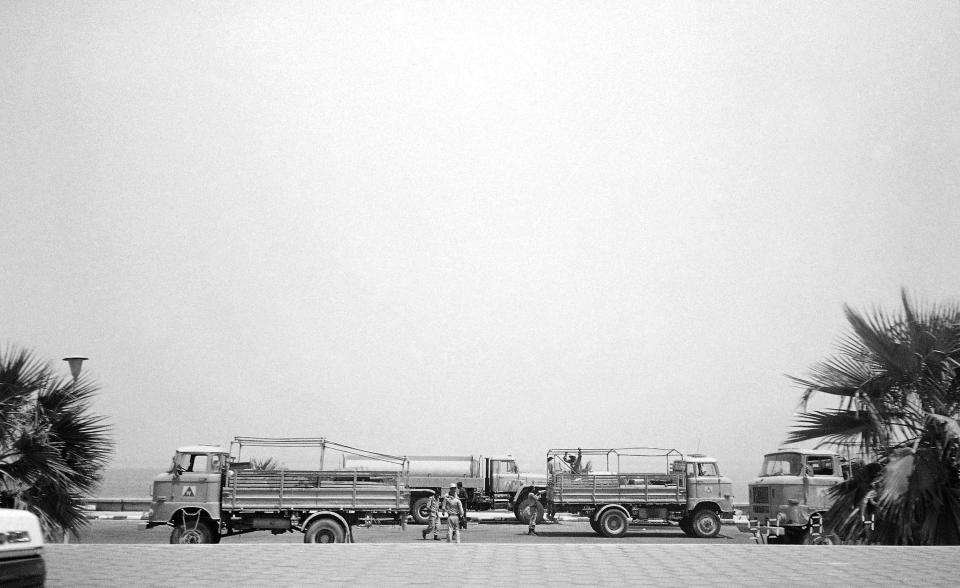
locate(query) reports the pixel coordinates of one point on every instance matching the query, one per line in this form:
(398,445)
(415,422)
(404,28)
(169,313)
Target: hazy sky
(445,227)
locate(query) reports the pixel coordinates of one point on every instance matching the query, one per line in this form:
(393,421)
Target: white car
(21,549)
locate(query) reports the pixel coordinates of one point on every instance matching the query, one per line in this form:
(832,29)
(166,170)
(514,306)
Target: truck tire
(188,533)
(324,531)
(613,523)
(595,525)
(518,511)
(705,524)
(419,510)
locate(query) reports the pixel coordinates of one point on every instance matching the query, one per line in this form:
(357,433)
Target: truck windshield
(189,462)
(708,469)
(781,464)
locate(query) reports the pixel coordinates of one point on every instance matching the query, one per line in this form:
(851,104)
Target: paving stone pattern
(432,563)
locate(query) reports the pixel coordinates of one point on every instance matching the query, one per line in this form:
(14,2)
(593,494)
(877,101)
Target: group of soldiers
(456,515)
(451,504)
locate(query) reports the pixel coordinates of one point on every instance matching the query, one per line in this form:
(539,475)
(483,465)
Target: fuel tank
(420,465)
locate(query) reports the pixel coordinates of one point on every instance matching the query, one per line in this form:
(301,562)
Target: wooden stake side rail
(253,490)
(640,488)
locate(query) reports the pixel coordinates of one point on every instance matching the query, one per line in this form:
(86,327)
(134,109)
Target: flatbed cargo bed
(628,488)
(256,490)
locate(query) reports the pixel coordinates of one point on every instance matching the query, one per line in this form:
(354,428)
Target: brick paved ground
(499,565)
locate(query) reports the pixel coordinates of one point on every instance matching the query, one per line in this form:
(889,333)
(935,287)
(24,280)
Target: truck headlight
(14,537)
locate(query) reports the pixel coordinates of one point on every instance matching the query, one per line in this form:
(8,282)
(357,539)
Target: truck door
(705,484)
(196,478)
(820,473)
(504,474)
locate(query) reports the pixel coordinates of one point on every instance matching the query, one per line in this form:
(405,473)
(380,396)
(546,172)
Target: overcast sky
(477,227)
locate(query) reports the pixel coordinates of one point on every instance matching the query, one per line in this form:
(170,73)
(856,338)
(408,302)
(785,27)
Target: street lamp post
(76,364)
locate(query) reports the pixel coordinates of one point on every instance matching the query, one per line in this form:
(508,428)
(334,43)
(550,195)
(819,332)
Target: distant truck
(485,482)
(208,493)
(21,549)
(790,499)
(689,490)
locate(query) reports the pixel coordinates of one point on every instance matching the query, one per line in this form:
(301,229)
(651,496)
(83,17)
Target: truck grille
(759,495)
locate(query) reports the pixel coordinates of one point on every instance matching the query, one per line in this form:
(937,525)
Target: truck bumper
(23,571)
(745,525)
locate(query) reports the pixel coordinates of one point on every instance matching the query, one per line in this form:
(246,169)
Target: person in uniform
(532,509)
(454,509)
(433,520)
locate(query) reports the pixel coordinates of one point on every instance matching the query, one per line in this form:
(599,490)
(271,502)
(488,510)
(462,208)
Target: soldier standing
(433,520)
(454,509)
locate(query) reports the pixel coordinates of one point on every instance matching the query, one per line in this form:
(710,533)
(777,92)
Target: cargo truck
(209,493)
(485,482)
(688,490)
(790,499)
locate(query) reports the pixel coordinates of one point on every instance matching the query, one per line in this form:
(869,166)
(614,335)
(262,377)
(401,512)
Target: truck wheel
(823,539)
(188,533)
(420,511)
(324,531)
(519,512)
(706,524)
(594,525)
(613,523)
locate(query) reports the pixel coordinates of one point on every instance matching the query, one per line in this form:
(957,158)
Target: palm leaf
(834,426)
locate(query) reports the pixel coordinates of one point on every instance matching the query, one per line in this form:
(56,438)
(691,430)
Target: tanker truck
(485,482)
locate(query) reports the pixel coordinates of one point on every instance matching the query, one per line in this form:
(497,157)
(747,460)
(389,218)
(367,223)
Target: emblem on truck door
(189,491)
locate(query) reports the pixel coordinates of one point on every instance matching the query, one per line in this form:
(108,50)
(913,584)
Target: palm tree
(52,450)
(896,380)
(268,464)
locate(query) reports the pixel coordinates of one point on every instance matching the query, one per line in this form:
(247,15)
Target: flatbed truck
(689,491)
(209,493)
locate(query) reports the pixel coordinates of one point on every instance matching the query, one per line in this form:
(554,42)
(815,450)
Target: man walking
(454,509)
(433,519)
(532,509)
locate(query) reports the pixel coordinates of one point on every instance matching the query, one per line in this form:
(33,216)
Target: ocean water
(127,482)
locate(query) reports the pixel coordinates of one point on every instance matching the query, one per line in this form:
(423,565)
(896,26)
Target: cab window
(820,466)
(781,464)
(198,463)
(708,469)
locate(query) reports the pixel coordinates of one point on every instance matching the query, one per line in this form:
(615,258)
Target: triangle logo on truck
(189,491)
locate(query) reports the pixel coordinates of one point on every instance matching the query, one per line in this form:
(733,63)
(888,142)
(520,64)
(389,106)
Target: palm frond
(52,447)
(834,426)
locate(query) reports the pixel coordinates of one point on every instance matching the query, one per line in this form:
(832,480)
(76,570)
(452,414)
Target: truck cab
(504,477)
(705,485)
(791,495)
(190,489)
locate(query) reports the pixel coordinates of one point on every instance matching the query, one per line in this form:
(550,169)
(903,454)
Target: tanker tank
(419,465)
